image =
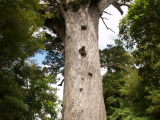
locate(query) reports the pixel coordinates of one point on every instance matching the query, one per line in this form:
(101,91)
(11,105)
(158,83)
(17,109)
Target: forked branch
(117,5)
(106,25)
(103,4)
(107,13)
(61,83)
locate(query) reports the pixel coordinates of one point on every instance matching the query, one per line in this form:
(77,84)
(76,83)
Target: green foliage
(25,91)
(113,80)
(111,91)
(134,90)
(154,97)
(12,106)
(54,56)
(132,117)
(18,21)
(124,91)
(141,20)
(140,28)
(114,55)
(124,95)
(38,94)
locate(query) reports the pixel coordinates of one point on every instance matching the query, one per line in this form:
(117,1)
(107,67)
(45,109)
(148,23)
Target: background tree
(115,59)
(18,21)
(38,94)
(123,88)
(25,90)
(140,28)
(12,106)
(54,54)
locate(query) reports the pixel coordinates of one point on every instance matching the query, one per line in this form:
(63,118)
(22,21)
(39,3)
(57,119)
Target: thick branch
(124,4)
(108,65)
(117,5)
(103,4)
(56,25)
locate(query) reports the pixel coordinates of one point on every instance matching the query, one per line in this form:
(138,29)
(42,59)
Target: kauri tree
(75,22)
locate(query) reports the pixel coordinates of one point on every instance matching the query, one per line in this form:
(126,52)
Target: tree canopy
(139,93)
(18,21)
(25,91)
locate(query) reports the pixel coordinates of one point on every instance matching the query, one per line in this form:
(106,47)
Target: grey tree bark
(83,93)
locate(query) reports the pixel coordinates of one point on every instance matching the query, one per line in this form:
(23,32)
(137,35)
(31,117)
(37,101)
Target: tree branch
(61,48)
(103,4)
(106,25)
(107,12)
(108,65)
(104,18)
(58,45)
(61,83)
(56,4)
(124,4)
(117,5)
(55,25)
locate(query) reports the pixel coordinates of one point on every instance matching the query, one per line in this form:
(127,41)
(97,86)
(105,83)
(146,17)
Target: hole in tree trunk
(82,51)
(83,27)
(90,74)
(80,89)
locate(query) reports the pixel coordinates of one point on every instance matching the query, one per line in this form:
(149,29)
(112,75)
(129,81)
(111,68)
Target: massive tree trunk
(83,94)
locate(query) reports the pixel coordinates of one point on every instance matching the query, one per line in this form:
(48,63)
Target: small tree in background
(24,89)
